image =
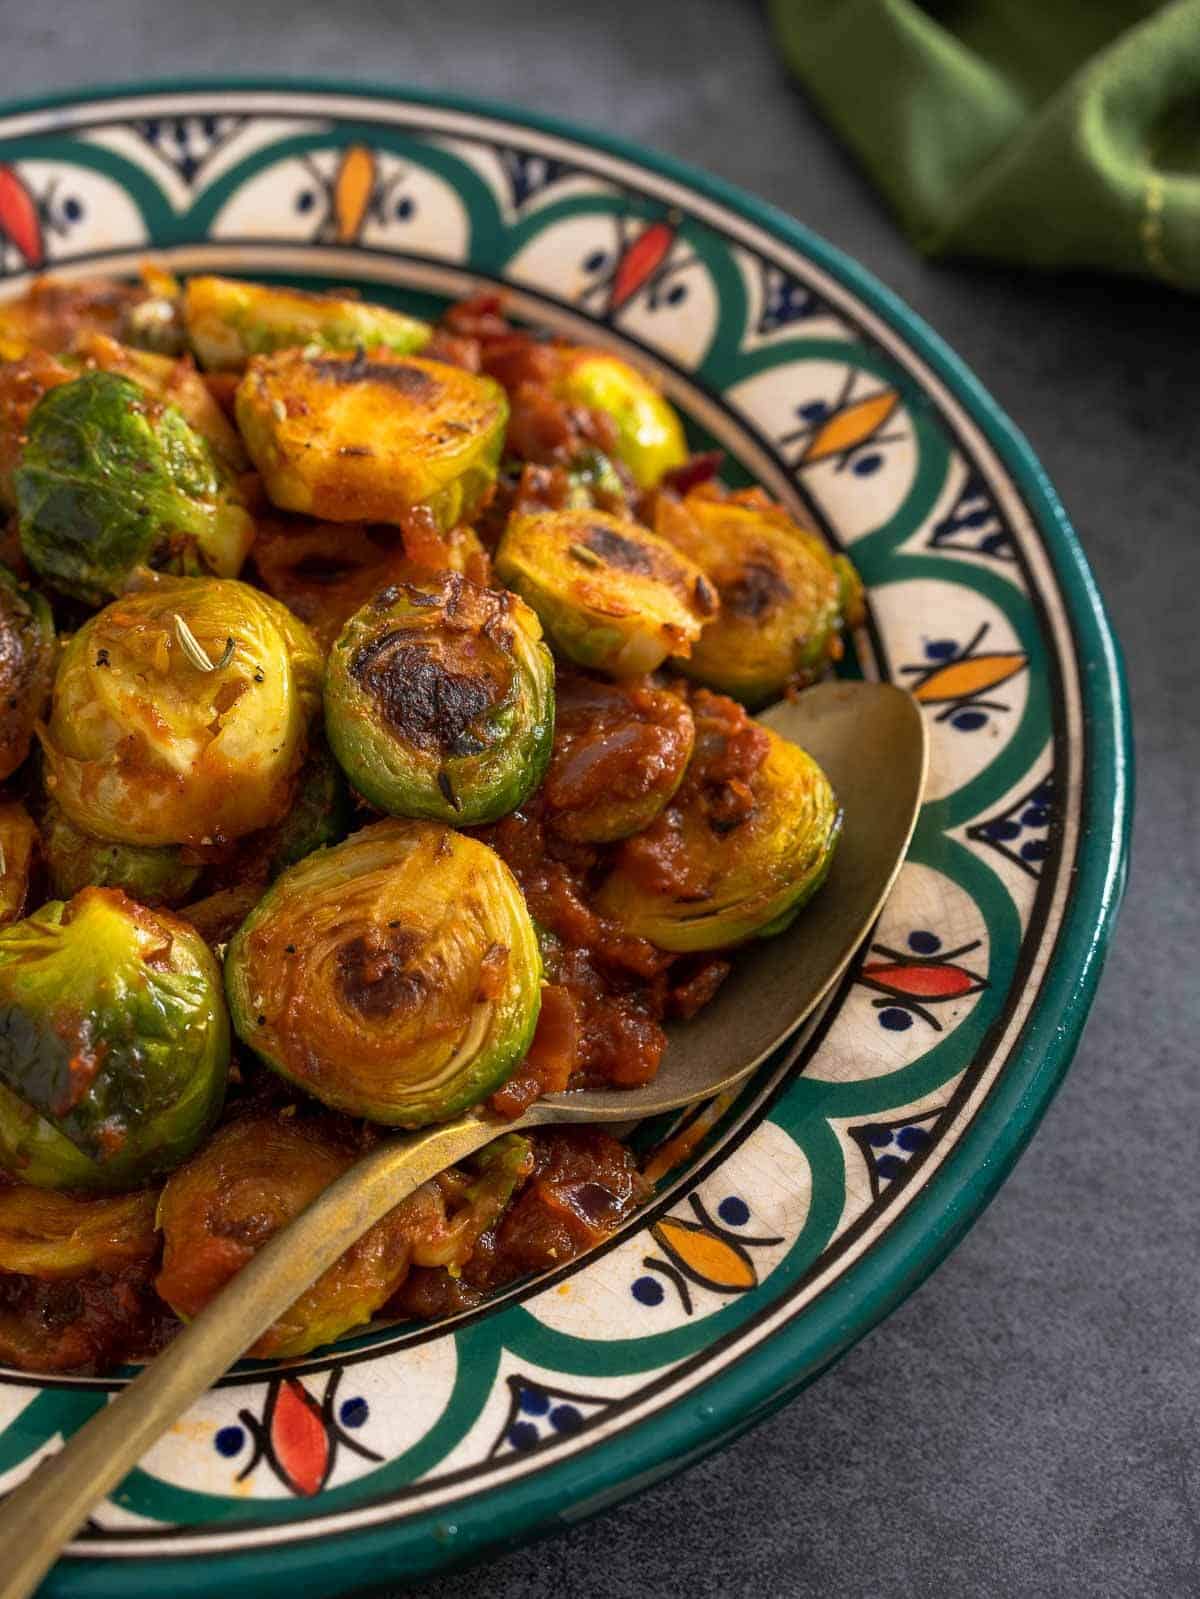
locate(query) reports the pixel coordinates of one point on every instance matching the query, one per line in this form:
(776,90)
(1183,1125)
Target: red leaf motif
(921,982)
(19,219)
(298,1438)
(641,261)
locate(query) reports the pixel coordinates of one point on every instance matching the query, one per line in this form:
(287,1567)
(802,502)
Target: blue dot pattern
(1023,832)
(647,1290)
(889,1149)
(354,1412)
(229,1441)
(734,1212)
(923,943)
(540,1416)
(895,1019)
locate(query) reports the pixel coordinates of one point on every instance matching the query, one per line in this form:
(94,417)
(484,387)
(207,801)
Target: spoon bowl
(871,740)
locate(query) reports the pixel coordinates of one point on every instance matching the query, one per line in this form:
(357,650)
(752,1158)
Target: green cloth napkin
(1051,132)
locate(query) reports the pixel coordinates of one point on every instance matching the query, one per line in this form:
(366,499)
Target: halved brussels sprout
(26,667)
(229,321)
(111,480)
(396,976)
(708,876)
(611,594)
(620,752)
(262,1170)
(357,438)
(650,438)
(75,860)
(115,1044)
(179,714)
(50,1235)
(18,846)
(174,382)
(439,700)
(784,596)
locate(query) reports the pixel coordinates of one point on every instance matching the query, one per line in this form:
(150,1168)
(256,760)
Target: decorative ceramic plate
(787,1222)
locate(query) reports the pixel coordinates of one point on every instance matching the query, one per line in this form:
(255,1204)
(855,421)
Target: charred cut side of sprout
(610,594)
(439,701)
(110,480)
(115,1044)
(76,860)
(372,438)
(55,1236)
(650,437)
(26,667)
(18,850)
(180,715)
(262,1170)
(784,597)
(228,321)
(743,877)
(396,976)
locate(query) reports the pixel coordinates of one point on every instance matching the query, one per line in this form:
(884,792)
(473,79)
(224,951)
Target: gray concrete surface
(1027,1423)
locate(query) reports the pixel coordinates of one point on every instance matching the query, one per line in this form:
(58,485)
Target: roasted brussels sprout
(114,1046)
(51,1235)
(172,381)
(439,700)
(720,867)
(228,321)
(620,752)
(262,1170)
(395,976)
(75,860)
(611,594)
(26,667)
(180,714)
(650,439)
(18,848)
(110,481)
(357,438)
(784,597)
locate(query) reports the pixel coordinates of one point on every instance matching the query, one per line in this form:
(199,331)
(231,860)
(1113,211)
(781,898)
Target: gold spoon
(871,740)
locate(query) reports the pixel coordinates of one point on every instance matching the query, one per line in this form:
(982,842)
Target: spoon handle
(40,1516)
